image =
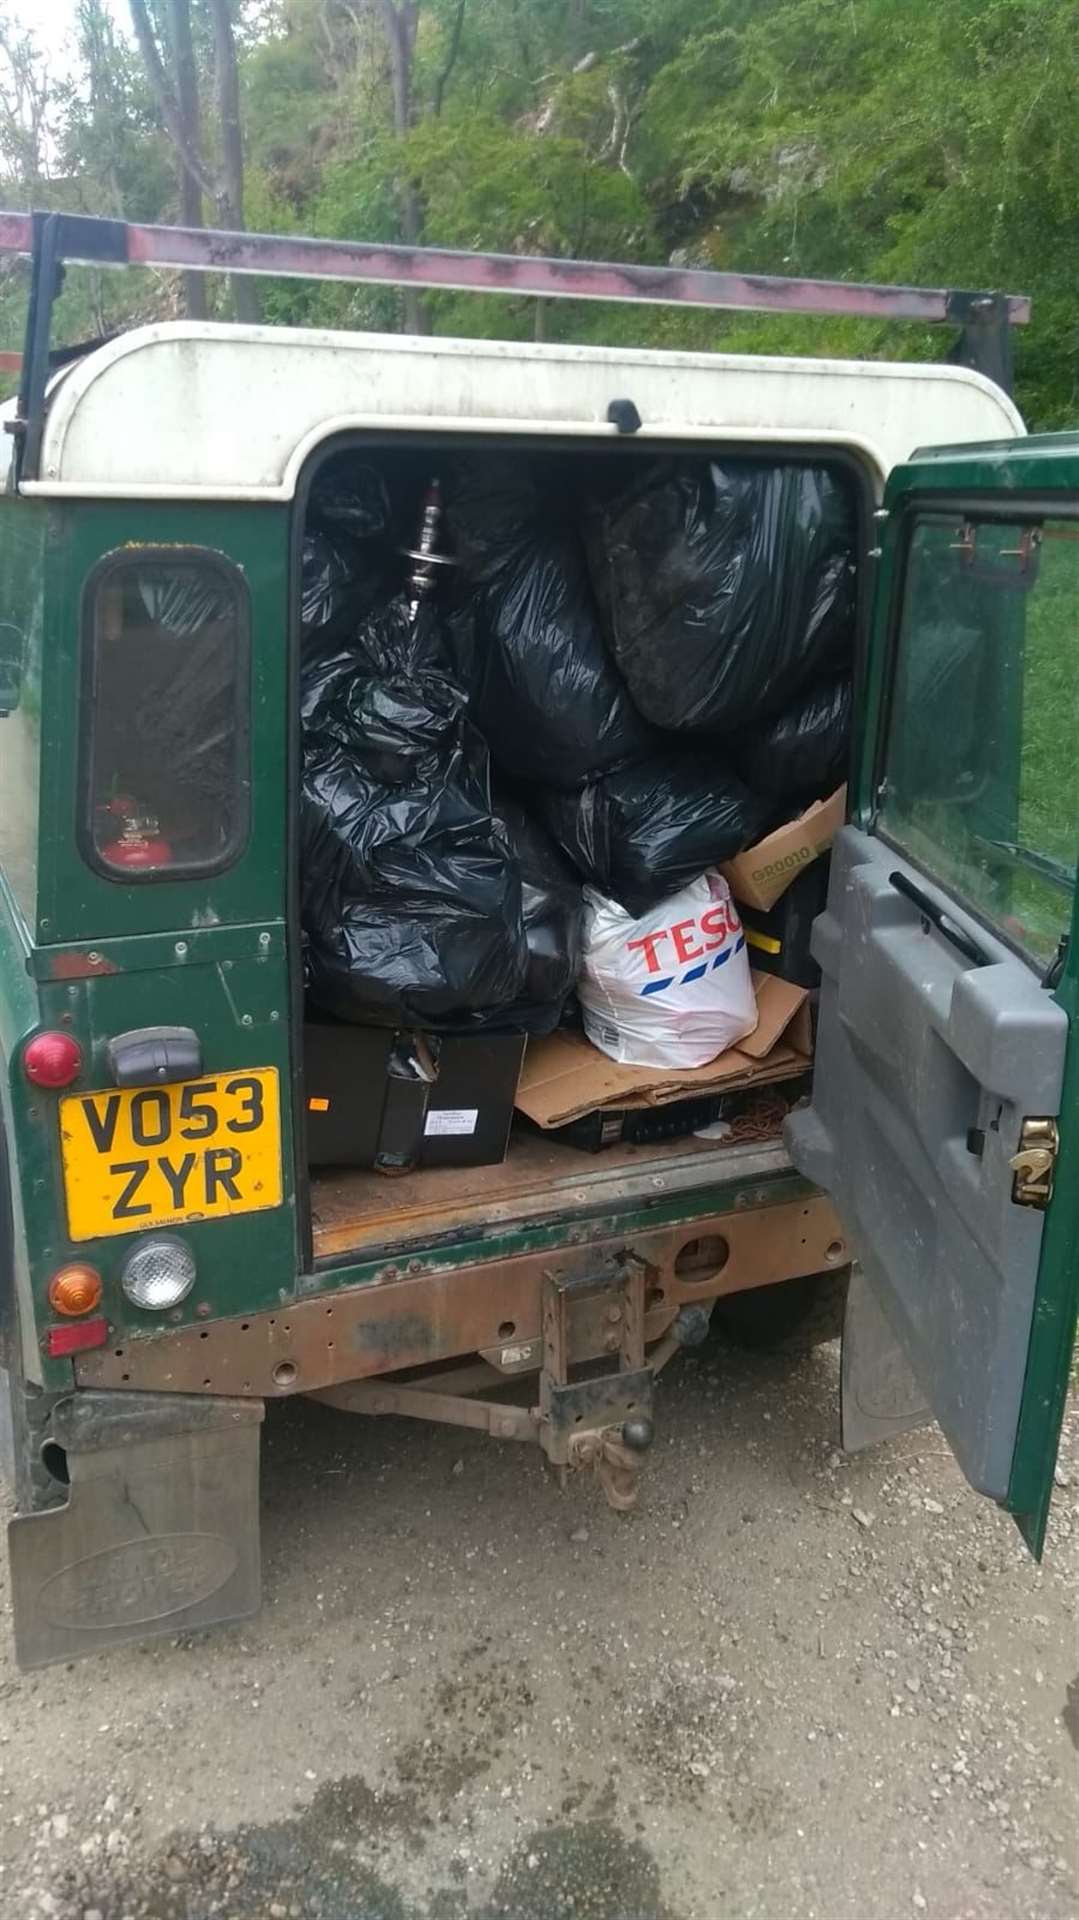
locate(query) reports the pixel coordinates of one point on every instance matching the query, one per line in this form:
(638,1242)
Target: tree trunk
(226,188)
(400,23)
(187,100)
(442,78)
(230,198)
(579,28)
(168,105)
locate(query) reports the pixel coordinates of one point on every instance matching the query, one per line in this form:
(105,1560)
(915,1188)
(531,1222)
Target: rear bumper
(442,1304)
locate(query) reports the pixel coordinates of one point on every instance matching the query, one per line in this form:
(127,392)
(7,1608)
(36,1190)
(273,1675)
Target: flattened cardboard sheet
(564,1075)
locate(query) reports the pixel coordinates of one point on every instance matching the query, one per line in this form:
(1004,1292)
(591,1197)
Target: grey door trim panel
(926,1066)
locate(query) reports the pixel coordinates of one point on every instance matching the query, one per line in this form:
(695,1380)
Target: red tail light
(52,1060)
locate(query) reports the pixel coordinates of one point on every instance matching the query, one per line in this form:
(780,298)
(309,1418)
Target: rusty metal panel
(552,279)
(437,1314)
(420,1403)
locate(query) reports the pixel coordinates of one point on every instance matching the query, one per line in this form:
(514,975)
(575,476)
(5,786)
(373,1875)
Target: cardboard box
(455,1112)
(761,874)
(565,1076)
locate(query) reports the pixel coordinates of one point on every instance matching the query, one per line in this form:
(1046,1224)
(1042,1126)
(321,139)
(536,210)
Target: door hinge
(1034,1164)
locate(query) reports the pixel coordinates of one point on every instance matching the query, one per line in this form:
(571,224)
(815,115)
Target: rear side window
(166,787)
(982,778)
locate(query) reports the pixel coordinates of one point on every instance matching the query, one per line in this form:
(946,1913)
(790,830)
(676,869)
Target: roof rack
(52,240)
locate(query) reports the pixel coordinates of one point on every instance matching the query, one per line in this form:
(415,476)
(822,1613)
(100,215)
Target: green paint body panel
(112,955)
(76,903)
(1056,1312)
(23,572)
(18,1017)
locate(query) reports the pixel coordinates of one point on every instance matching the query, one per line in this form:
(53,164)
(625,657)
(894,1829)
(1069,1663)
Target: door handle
(154,1055)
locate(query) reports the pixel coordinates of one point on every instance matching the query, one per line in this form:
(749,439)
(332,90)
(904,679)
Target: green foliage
(863,139)
(490,186)
(111,152)
(927,143)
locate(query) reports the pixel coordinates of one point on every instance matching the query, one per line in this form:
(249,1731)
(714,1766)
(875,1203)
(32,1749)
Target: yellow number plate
(141,1157)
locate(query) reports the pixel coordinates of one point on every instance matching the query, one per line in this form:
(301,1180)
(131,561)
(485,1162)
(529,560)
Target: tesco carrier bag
(672,988)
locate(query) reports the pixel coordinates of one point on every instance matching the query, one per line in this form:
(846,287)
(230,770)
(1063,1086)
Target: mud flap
(160,1530)
(879,1396)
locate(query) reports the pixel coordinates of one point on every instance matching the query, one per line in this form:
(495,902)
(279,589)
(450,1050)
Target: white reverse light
(159,1274)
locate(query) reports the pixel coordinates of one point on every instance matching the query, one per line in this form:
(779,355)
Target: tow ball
(616,1457)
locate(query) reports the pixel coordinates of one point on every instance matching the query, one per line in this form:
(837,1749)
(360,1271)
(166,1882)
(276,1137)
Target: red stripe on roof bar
(435,267)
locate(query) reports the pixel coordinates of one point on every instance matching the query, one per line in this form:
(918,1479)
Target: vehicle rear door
(161,934)
(944,1114)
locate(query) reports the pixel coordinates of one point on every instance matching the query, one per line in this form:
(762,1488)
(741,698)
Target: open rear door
(944,1116)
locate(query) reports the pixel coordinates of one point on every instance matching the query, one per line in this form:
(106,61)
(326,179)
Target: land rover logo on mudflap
(138,1581)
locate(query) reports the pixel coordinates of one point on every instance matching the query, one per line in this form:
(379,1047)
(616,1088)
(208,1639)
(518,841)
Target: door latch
(1034,1164)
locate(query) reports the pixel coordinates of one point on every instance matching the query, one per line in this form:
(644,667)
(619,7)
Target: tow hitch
(593,1411)
(603,1421)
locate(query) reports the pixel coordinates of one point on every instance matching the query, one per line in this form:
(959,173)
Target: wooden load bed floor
(354,1211)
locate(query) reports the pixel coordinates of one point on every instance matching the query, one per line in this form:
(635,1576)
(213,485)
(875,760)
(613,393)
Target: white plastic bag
(671,989)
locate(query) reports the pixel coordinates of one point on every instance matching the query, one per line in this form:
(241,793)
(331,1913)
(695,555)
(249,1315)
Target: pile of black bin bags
(614,684)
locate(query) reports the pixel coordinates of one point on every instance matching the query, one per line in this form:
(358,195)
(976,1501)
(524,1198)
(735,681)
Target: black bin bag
(348,557)
(724,586)
(543,689)
(640,833)
(800,754)
(411,897)
(551,902)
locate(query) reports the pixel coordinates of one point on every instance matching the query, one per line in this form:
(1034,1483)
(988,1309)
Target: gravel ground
(791,1685)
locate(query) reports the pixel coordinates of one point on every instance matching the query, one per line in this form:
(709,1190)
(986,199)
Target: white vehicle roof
(191,409)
